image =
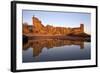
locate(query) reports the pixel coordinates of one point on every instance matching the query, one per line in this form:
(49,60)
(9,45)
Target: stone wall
(39,28)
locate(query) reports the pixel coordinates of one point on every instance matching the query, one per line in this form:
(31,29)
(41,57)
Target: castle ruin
(37,28)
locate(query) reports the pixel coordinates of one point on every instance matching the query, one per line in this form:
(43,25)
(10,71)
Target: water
(55,50)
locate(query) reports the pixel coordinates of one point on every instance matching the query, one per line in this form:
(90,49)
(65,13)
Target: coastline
(58,37)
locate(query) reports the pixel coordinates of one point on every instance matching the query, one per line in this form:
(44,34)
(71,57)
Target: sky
(60,19)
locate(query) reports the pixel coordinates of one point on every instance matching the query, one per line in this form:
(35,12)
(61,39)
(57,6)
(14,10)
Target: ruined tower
(37,23)
(82,28)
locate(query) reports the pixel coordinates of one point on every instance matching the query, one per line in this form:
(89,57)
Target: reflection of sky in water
(67,52)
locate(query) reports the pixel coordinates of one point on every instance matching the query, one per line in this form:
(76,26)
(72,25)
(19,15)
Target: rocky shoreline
(69,37)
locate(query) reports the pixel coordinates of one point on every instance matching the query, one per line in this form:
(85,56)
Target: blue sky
(60,19)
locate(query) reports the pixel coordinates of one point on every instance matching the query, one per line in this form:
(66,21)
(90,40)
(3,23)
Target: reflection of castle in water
(38,45)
